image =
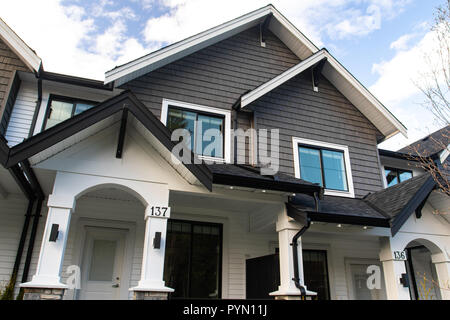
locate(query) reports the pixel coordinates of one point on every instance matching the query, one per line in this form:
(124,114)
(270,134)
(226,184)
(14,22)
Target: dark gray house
(241,162)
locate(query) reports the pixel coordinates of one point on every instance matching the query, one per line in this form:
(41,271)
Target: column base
(150,295)
(43,294)
(293,295)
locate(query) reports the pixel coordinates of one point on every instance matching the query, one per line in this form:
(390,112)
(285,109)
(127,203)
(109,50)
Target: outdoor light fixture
(54,233)
(365,227)
(231,187)
(404,280)
(263,191)
(339,225)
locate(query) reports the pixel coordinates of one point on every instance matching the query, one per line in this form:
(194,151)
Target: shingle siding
(218,75)
(9,63)
(326,116)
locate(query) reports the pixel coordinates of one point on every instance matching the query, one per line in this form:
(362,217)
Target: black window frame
(65,99)
(318,148)
(204,113)
(202,223)
(397,174)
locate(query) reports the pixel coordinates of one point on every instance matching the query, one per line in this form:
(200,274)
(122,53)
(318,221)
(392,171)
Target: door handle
(115,285)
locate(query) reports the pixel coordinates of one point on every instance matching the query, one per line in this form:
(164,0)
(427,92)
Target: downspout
(37,214)
(294,245)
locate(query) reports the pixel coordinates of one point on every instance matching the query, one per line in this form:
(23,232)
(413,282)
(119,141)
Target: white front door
(103,263)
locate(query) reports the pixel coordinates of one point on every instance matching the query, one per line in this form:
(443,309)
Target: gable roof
(431,144)
(389,208)
(401,200)
(279,25)
(300,45)
(20,48)
(346,83)
(55,137)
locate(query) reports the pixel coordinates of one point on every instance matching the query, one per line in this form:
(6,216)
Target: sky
(381,42)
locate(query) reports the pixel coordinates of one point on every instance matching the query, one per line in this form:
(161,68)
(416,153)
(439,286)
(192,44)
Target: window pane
(102,261)
(192,260)
(176,265)
(405,175)
(210,133)
(391,177)
(80,107)
(310,165)
(334,170)
(205,263)
(316,272)
(59,112)
(181,119)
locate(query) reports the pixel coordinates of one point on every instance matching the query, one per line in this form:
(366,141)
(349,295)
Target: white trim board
(346,83)
(281,27)
(191,106)
(348,170)
(19,47)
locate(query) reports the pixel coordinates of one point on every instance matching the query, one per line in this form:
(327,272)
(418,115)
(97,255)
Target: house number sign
(159,212)
(400,255)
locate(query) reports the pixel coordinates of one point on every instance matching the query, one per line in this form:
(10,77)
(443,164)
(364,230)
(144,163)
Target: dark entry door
(263,276)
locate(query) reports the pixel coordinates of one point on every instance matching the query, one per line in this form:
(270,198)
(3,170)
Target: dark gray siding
(9,103)
(218,75)
(327,116)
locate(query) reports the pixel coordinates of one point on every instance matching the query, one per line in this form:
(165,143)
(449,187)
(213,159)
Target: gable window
(198,120)
(395,176)
(326,164)
(62,108)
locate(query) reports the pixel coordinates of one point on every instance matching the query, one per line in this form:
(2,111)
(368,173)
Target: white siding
(22,114)
(238,243)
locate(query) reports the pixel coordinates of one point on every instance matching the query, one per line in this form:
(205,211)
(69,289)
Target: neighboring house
(90,165)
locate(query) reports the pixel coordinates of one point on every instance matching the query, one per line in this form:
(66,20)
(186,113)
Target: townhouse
(294,200)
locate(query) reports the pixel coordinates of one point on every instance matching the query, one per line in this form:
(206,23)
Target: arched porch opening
(424,282)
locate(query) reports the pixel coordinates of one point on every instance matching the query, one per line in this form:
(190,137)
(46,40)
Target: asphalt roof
(431,144)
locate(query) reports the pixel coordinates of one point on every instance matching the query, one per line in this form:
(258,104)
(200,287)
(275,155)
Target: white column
(393,270)
(51,256)
(287,228)
(152,271)
(442,264)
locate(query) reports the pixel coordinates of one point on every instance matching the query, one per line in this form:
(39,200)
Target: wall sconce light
(404,280)
(54,233)
(157,240)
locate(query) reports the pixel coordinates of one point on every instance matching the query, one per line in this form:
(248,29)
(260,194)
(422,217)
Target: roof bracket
(418,210)
(123,129)
(263,29)
(316,72)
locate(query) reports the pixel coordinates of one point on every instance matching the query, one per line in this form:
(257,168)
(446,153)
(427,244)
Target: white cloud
(402,43)
(397,86)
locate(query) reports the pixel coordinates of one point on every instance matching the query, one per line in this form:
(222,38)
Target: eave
(346,83)
(20,48)
(279,25)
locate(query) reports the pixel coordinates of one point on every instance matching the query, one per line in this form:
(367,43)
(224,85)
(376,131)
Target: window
(395,176)
(198,120)
(325,164)
(315,271)
(193,259)
(62,108)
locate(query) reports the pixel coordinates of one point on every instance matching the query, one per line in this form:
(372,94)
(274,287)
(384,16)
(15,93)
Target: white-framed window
(326,164)
(198,119)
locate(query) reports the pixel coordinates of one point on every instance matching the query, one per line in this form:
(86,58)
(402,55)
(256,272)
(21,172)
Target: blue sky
(380,41)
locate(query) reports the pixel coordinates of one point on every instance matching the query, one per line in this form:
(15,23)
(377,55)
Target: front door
(103,263)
